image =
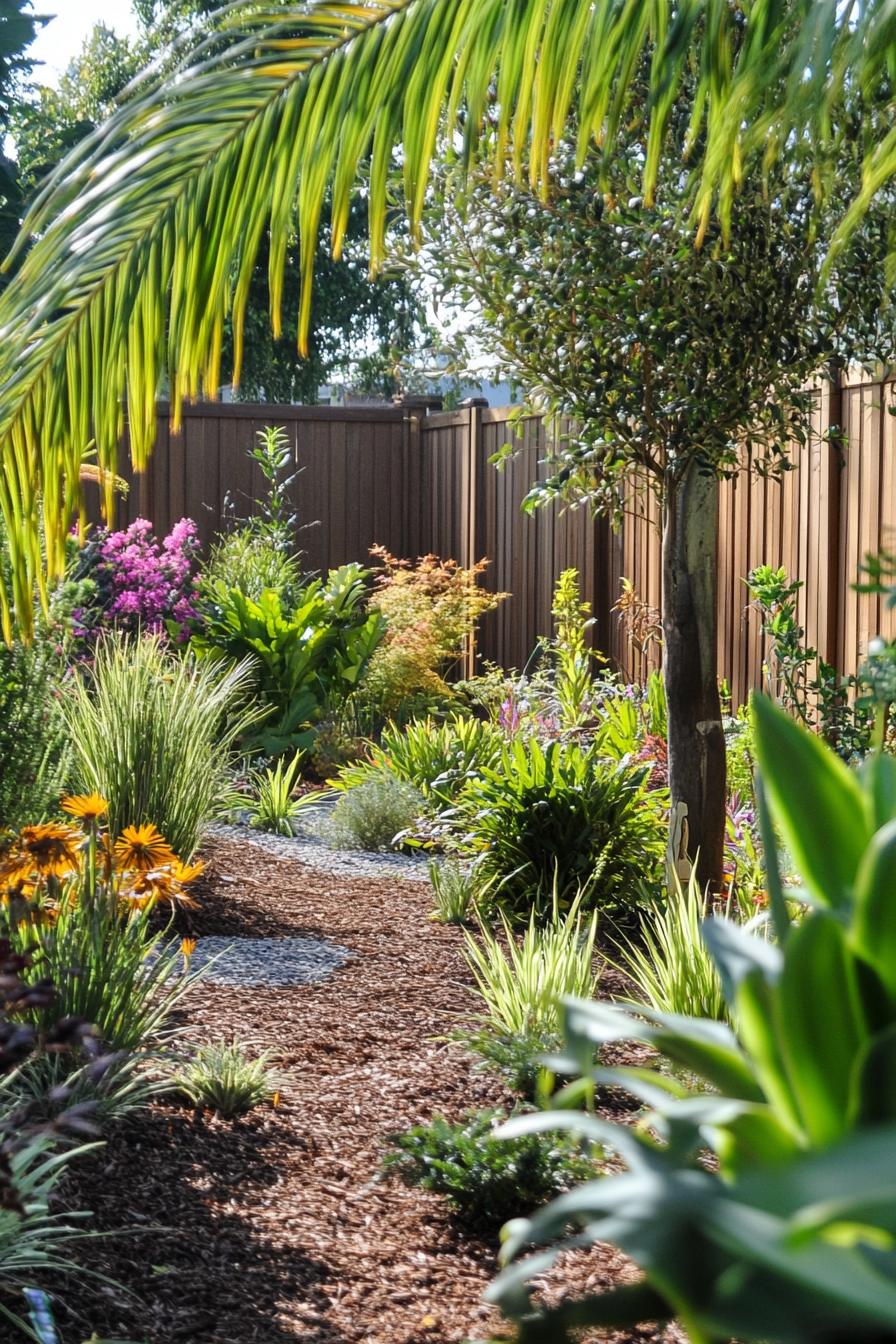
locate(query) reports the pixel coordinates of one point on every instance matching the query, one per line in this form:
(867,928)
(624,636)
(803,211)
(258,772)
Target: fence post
(832,459)
(473,405)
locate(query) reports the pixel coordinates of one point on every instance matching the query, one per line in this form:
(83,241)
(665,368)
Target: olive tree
(678,365)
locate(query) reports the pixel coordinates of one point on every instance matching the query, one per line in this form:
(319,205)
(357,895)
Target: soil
(279,1227)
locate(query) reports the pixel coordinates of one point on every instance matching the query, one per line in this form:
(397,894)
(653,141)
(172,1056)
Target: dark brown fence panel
(419,483)
(349,493)
(527,552)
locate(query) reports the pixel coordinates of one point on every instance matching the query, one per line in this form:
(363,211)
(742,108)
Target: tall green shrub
(306,657)
(154,734)
(557,819)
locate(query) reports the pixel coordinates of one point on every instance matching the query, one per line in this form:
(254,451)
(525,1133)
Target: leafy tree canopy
(18,28)
(360,330)
(599,305)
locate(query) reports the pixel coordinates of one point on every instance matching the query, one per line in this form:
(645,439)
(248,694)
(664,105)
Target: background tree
(18,28)
(678,365)
(359,331)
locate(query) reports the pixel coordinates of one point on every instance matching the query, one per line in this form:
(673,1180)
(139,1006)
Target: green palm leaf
(147,236)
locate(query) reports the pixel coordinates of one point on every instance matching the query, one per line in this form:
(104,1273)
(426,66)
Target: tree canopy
(601,308)
(358,328)
(147,236)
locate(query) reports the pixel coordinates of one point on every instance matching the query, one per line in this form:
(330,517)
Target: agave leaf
(873,926)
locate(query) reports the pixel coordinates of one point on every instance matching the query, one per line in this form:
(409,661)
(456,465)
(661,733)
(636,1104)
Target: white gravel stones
(306,848)
(267,961)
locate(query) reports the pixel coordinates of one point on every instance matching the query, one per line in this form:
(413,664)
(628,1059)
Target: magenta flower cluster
(141,583)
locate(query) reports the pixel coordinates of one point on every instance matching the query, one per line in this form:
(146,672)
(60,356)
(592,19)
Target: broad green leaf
(759,1028)
(821,1025)
(875,1081)
(816,800)
(708,1049)
(874,920)
(878,776)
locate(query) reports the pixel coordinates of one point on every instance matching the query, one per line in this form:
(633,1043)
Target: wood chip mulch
(279,1227)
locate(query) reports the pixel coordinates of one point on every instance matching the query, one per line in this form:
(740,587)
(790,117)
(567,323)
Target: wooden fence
(417,482)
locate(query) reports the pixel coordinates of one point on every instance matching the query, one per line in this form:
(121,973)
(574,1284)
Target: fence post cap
(432,402)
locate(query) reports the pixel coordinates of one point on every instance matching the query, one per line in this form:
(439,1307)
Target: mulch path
(278,1227)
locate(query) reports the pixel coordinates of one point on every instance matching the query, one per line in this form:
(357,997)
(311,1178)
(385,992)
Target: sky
(62,38)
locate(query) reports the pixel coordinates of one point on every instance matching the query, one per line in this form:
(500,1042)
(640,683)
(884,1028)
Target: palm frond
(148,234)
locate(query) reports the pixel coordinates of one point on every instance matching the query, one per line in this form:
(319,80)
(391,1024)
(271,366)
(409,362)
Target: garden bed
(279,1227)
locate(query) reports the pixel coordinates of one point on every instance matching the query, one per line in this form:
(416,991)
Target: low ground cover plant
(225,1079)
(558,820)
(374,814)
(154,734)
(485,1179)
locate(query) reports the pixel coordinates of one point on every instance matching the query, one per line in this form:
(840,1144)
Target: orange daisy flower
(50,850)
(157,888)
(185,873)
(143,848)
(87,807)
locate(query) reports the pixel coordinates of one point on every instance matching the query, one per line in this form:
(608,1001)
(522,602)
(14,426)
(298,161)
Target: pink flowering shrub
(134,582)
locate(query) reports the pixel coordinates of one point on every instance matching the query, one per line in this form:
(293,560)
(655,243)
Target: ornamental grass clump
(269,803)
(522,982)
(456,892)
(670,964)
(225,1079)
(155,734)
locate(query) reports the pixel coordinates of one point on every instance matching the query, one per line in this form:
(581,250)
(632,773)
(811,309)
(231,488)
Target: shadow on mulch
(230,906)
(197,1268)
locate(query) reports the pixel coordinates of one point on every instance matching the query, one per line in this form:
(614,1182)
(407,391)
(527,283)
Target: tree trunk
(690,668)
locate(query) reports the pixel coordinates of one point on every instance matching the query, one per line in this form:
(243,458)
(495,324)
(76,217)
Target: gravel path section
(267,961)
(306,848)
